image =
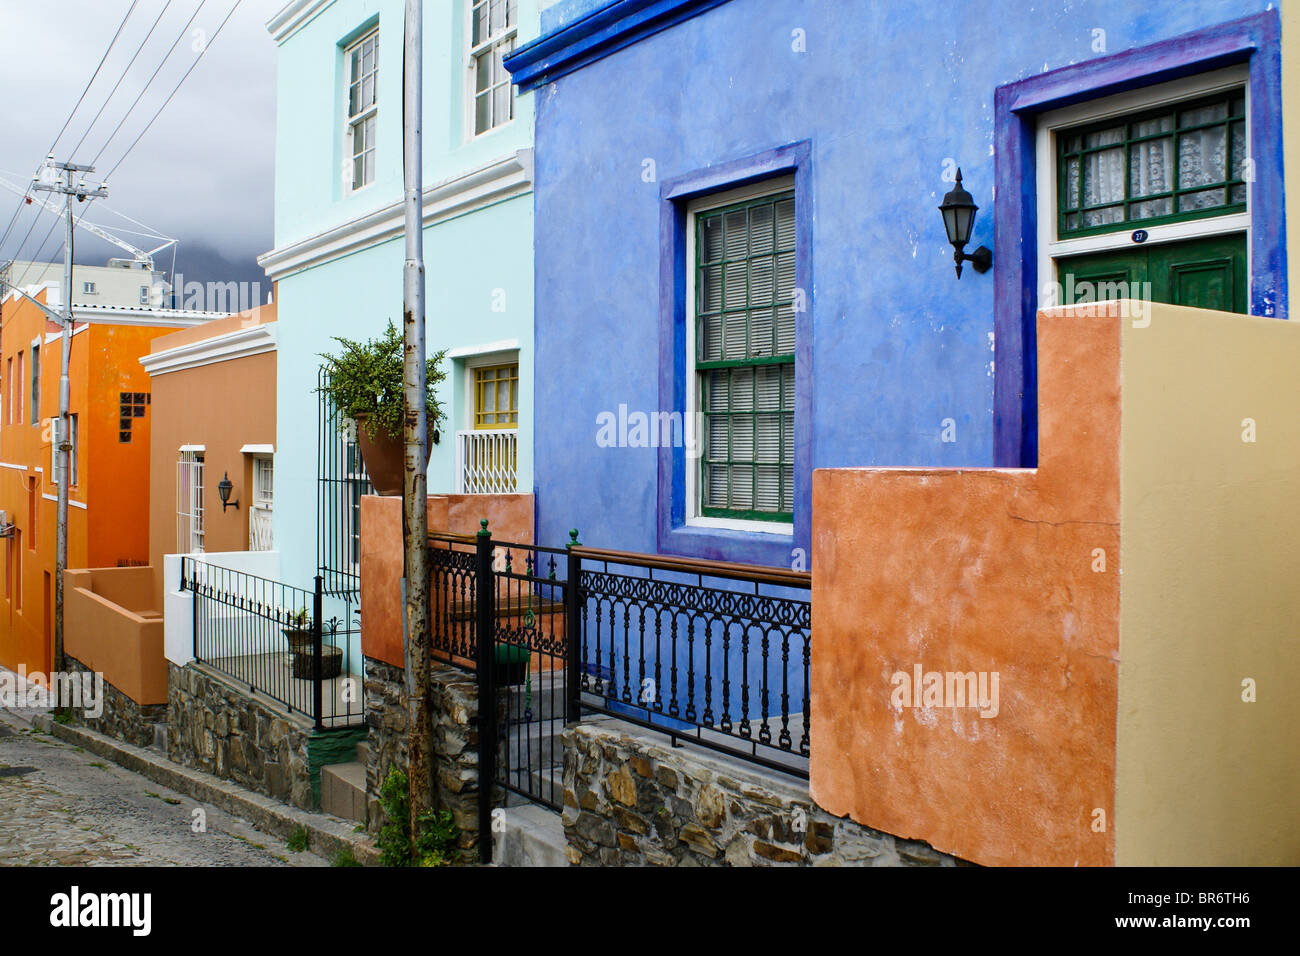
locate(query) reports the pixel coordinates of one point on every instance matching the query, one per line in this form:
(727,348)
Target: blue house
(741,275)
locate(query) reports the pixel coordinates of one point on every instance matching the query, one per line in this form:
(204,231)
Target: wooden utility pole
(415,519)
(62,438)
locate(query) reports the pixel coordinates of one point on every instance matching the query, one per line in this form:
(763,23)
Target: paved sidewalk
(61,805)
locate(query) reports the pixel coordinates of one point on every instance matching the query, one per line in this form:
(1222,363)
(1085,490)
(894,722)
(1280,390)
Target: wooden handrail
(710,569)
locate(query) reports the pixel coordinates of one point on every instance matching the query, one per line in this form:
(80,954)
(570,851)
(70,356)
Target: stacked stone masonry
(634,800)
(215,727)
(119,716)
(454,702)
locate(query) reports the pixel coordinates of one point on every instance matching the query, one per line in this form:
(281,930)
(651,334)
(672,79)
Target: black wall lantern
(958,209)
(224,487)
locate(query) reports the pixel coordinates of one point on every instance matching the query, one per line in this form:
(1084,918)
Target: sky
(203,173)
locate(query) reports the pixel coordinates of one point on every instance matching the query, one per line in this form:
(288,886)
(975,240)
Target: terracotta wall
(983,570)
(125,646)
(510,518)
(222,406)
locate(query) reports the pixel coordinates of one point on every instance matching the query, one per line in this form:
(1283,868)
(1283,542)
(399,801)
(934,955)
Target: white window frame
(262,499)
(190,532)
(354,121)
(1051,248)
(473,53)
(693,427)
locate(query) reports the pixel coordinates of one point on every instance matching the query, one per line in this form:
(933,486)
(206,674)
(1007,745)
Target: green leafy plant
(344,857)
(365,380)
(436,841)
(297,841)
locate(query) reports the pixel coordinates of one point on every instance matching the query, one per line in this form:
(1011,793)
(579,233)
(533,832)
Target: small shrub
(344,857)
(297,841)
(436,841)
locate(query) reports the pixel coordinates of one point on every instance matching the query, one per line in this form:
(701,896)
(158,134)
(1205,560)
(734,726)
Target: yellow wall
(1210,553)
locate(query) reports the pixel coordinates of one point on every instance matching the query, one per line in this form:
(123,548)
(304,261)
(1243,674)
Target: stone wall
(217,728)
(454,701)
(632,799)
(121,717)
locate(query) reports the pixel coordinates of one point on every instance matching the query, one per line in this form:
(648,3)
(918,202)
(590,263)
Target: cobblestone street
(62,806)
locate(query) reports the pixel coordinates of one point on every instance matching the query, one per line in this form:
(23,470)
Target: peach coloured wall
(510,518)
(223,406)
(983,570)
(126,647)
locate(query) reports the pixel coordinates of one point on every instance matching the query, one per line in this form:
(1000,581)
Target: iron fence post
(317,651)
(485,633)
(194,609)
(573,632)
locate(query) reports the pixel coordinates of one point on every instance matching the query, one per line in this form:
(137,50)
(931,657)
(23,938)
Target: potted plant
(365,385)
(511,664)
(299,633)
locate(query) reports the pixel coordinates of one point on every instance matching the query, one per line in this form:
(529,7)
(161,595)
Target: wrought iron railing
(702,650)
(276,639)
(341,480)
(714,653)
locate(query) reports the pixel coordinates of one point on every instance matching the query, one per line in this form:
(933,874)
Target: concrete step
(363,752)
(545,783)
(543,701)
(533,836)
(343,790)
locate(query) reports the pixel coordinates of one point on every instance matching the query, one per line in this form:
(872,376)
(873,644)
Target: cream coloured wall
(1210,552)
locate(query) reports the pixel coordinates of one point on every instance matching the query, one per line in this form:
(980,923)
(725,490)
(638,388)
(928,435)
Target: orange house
(110,407)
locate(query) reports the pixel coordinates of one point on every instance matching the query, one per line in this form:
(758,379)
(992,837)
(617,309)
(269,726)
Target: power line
(197,59)
(113,91)
(102,60)
(23,199)
(172,49)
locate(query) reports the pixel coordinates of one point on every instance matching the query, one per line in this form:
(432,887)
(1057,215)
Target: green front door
(1202,273)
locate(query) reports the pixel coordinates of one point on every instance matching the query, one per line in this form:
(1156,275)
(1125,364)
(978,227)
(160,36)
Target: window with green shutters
(744,358)
(1179,162)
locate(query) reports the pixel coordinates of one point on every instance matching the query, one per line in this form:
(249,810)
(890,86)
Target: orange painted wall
(222,406)
(108,509)
(510,518)
(980,570)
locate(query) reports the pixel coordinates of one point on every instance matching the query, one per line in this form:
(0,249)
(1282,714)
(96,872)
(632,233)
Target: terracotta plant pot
(383,457)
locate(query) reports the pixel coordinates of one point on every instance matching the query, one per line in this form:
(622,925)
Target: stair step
(546,784)
(363,752)
(343,790)
(533,836)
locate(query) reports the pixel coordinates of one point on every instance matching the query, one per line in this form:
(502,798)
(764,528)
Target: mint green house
(337,261)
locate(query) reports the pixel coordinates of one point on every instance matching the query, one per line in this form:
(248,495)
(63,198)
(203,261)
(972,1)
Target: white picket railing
(486,461)
(259,529)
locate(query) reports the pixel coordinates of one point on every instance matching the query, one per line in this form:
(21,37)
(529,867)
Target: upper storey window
(362,59)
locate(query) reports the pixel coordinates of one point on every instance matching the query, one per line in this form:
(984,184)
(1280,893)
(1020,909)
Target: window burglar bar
(189,503)
(341,481)
(274,638)
(486,461)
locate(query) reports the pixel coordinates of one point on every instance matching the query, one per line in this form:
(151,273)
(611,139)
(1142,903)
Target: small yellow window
(496,396)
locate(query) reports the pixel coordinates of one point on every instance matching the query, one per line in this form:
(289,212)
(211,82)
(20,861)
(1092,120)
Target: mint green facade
(339,253)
